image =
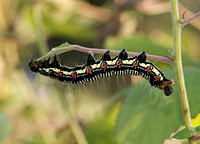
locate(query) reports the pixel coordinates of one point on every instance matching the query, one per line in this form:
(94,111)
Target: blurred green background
(125,110)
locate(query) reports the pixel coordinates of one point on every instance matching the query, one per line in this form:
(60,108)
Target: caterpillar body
(105,67)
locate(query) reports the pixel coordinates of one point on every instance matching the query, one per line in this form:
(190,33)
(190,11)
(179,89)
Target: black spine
(106,56)
(123,55)
(142,57)
(90,60)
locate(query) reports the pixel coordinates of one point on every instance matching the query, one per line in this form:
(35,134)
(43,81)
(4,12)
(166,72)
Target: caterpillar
(105,67)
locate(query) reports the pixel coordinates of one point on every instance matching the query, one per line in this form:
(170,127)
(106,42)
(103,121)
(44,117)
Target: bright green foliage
(197,129)
(183,134)
(147,116)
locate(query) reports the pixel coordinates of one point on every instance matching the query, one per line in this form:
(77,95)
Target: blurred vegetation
(37,110)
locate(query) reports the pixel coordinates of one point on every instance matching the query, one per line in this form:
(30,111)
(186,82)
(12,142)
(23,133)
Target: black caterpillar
(105,67)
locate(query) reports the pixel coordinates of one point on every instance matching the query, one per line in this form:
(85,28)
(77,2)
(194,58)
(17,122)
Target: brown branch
(189,19)
(58,50)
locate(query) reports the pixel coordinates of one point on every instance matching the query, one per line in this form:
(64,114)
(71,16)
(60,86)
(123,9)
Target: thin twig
(57,51)
(183,16)
(189,19)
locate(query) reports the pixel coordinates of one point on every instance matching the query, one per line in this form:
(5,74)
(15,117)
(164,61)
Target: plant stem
(71,117)
(39,29)
(178,66)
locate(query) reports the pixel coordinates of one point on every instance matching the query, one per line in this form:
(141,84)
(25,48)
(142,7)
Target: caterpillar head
(35,65)
(166,86)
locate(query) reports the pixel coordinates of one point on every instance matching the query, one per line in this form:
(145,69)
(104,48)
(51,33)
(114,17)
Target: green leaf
(100,130)
(4,127)
(197,129)
(56,51)
(183,134)
(147,116)
(63,45)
